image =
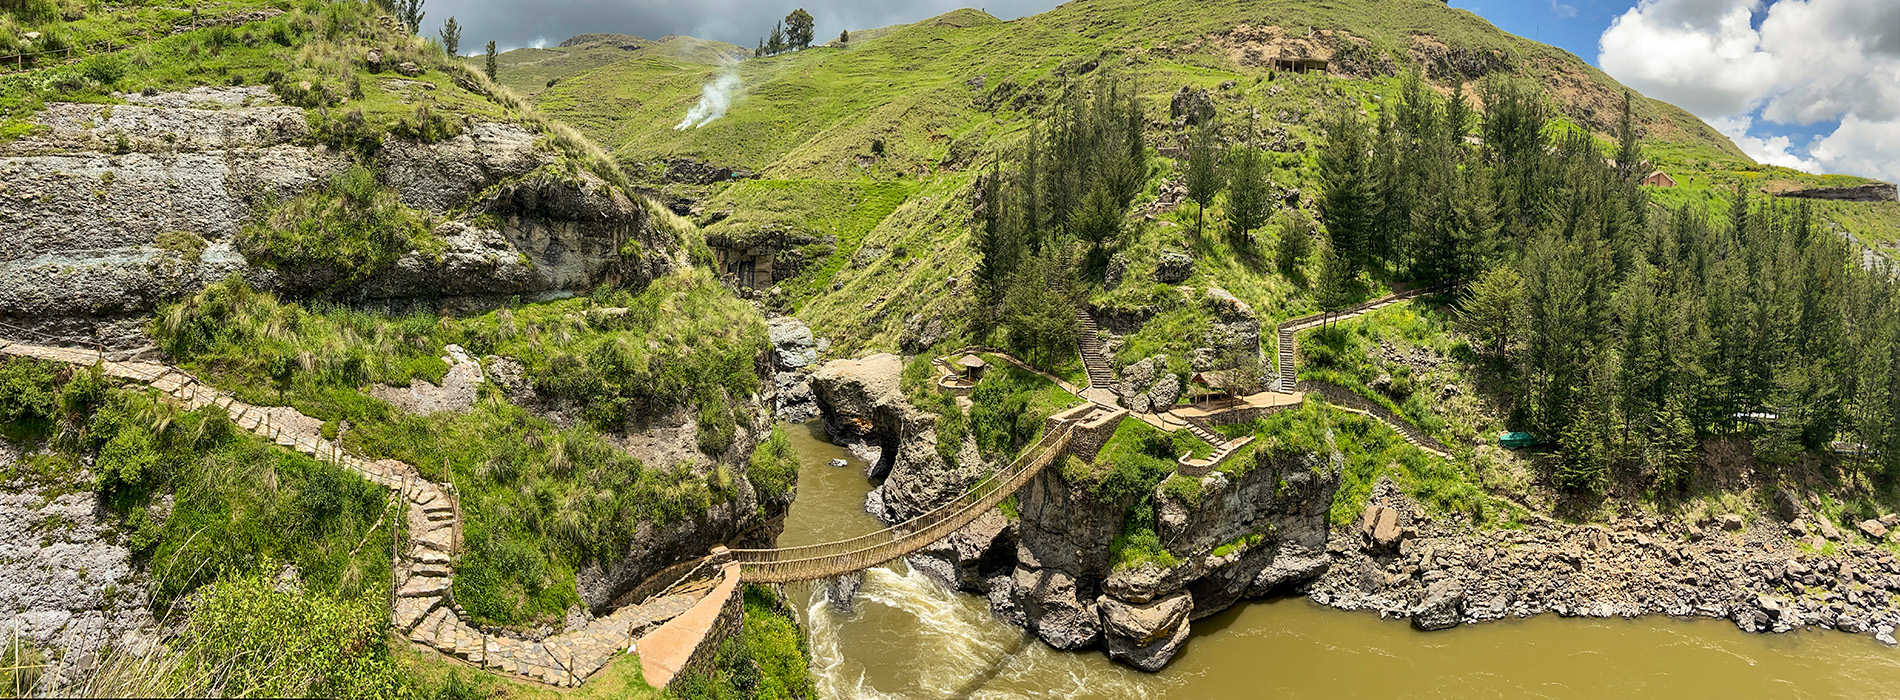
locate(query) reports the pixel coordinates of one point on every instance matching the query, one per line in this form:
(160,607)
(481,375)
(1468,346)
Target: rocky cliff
(865,410)
(1246,536)
(112,209)
(1249,533)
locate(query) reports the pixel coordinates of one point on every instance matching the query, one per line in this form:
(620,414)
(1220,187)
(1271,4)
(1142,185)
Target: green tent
(1517,440)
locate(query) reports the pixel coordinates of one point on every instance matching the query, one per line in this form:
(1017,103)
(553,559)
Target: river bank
(910,637)
(1762,575)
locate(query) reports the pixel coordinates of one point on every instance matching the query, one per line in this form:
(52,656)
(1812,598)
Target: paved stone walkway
(424,609)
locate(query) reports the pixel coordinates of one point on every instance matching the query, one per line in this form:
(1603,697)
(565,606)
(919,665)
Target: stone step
(410,612)
(424,586)
(425,633)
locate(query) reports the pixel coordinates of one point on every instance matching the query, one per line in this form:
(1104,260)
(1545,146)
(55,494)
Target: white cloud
(1563,11)
(1741,63)
(1862,147)
(1773,150)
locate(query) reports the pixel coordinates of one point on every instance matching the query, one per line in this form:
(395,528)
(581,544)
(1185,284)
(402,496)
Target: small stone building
(1659,179)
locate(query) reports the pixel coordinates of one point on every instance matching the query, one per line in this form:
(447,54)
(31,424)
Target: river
(912,639)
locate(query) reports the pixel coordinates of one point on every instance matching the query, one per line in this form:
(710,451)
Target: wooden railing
(819,561)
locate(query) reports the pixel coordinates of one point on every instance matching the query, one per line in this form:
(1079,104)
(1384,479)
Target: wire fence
(19,61)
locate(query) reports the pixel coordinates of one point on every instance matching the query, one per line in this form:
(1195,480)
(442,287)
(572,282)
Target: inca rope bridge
(669,620)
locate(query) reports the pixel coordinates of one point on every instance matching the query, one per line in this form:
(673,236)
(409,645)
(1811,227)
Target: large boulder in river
(1440,607)
(865,410)
(1145,635)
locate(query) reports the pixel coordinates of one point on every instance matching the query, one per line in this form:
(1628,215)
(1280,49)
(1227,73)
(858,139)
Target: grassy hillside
(531,70)
(932,102)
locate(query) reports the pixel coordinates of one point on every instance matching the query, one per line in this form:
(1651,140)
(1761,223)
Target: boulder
(1873,529)
(793,346)
(408,68)
(373,59)
(1112,276)
(1138,377)
(1049,597)
(1386,531)
(1732,522)
(1166,391)
(1145,636)
(1174,267)
(1441,606)
(1827,529)
(1144,623)
(1787,505)
(1190,107)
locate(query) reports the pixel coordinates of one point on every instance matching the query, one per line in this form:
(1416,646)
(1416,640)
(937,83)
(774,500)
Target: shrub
(353,227)
(774,468)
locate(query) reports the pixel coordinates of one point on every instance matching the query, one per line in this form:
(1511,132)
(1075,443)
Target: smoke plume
(714,100)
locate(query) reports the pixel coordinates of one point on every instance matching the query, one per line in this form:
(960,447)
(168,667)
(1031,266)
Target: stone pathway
(424,609)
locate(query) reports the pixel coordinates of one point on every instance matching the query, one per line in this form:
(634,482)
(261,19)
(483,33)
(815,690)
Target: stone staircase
(1223,448)
(423,607)
(1287,377)
(1088,338)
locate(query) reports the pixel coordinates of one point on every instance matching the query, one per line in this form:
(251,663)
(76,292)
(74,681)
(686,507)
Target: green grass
(237,501)
(1010,407)
(539,501)
(530,70)
(348,230)
(835,216)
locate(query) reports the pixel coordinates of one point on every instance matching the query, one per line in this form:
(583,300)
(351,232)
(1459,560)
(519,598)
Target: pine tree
(775,42)
(1203,170)
(410,13)
(1249,199)
(451,36)
(1337,280)
(1346,191)
(489,65)
(798,29)
(1098,223)
(1629,152)
(844,37)
(1489,311)
(1296,240)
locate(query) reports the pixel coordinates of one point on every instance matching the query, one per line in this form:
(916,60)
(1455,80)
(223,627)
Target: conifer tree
(451,36)
(1203,170)
(1296,240)
(489,66)
(1248,195)
(1346,191)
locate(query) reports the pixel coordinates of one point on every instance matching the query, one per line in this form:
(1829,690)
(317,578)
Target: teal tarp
(1516,440)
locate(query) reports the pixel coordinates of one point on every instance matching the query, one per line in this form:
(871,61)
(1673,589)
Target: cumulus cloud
(1862,147)
(1773,150)
(1744,63)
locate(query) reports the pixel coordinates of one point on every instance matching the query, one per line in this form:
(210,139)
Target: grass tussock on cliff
(540,500)
(215,516)
(352,227)
(199,497)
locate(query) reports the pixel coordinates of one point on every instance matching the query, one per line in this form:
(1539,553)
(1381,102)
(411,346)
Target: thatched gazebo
(972,367)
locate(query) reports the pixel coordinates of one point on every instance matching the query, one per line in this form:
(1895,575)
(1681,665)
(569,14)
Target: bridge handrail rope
(833,558)
(900,529)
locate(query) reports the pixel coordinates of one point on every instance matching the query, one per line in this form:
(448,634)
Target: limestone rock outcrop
(113,209)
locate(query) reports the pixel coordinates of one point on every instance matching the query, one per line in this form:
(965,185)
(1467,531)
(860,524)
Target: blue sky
(1780,77)
(1574,25)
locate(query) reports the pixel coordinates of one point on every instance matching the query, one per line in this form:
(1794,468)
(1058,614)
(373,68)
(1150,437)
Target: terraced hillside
(930,104)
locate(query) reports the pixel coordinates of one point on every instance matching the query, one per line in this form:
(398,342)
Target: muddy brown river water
(910,638)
